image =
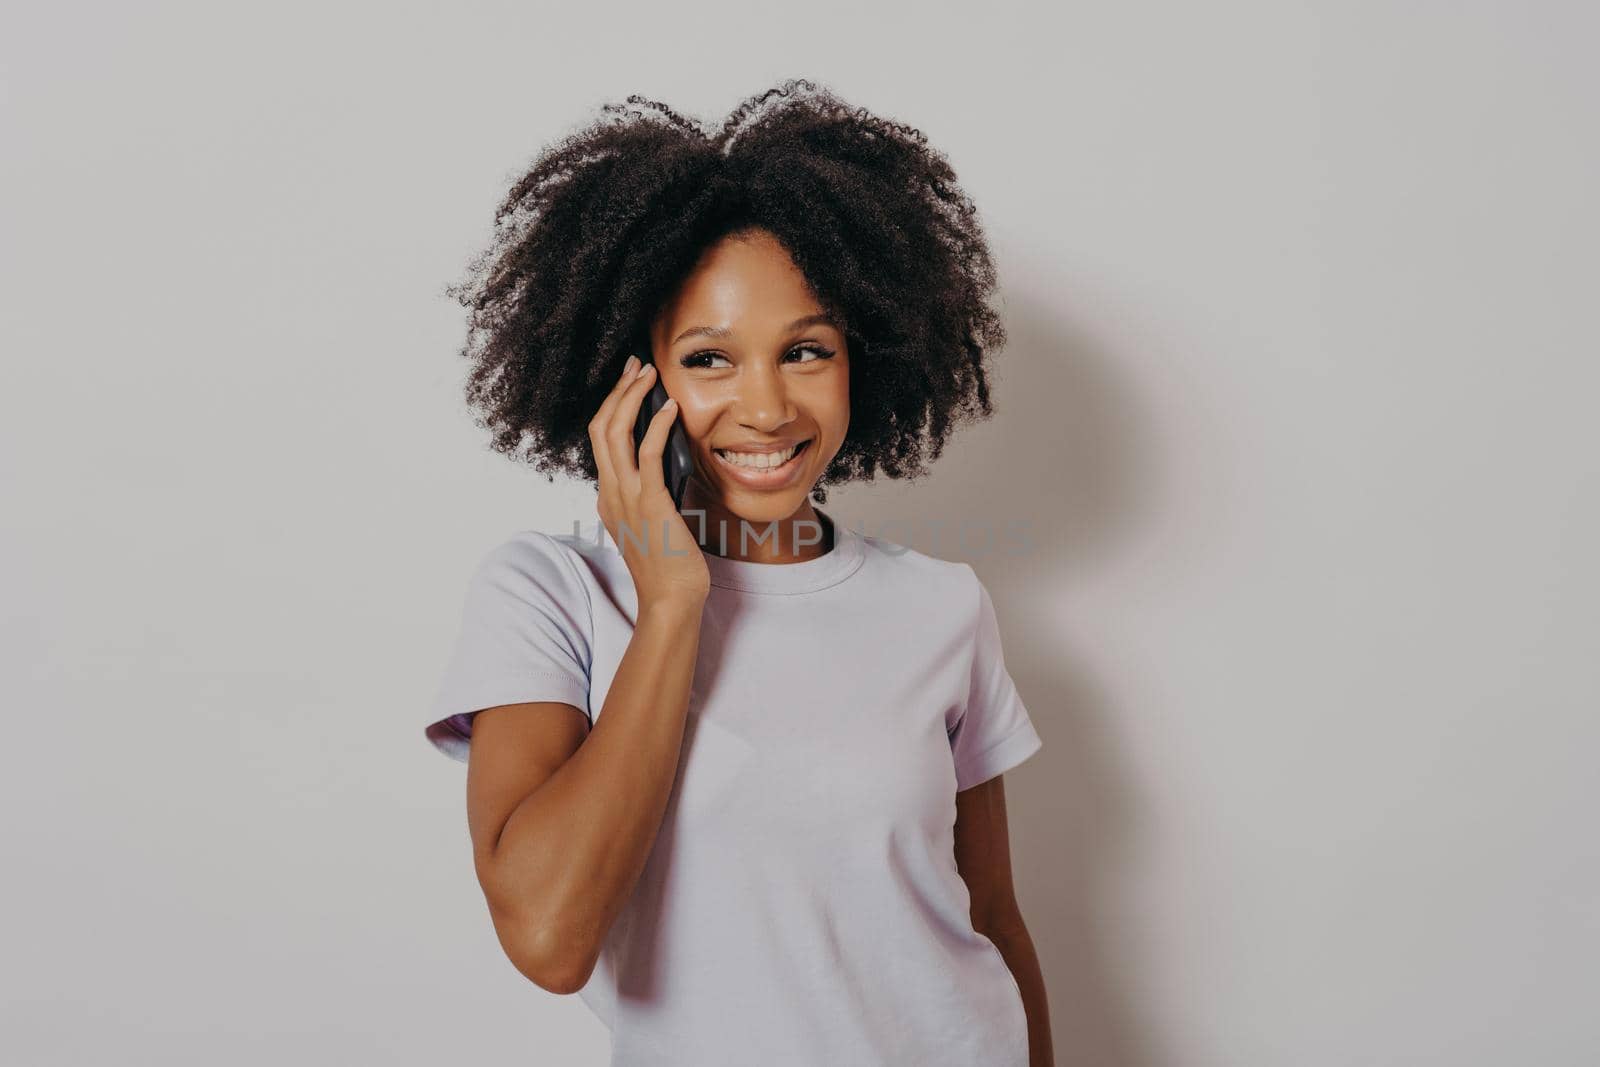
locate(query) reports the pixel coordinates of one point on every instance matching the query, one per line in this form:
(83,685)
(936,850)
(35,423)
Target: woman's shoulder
(949,580)
(554,563)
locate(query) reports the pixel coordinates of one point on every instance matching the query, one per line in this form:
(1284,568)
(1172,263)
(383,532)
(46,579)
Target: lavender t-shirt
(801,904)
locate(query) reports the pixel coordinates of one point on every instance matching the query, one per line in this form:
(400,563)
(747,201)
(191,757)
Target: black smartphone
(676,459)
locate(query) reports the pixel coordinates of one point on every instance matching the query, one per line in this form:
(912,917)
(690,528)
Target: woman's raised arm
(563,823)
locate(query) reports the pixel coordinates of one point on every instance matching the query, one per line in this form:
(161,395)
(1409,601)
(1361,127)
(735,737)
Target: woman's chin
(755,506)
(763,507)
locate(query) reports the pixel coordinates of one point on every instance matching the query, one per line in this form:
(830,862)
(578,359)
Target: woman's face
(756,367)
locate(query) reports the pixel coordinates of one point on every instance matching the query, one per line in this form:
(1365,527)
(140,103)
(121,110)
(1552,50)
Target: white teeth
(759,460)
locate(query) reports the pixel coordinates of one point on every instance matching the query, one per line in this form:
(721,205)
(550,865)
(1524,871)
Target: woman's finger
(618,434)
(600,444)
(619,430)
(652,474)
(630,370)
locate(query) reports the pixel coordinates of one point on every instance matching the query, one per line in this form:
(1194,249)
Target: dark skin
(772,370)
(983,856)
(750,357)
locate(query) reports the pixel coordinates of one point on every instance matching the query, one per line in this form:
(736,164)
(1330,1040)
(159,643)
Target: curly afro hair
(607,222)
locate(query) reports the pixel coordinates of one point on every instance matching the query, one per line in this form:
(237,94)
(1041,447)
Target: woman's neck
(804,535)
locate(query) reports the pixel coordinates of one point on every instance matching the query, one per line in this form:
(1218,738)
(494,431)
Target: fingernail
(627,368)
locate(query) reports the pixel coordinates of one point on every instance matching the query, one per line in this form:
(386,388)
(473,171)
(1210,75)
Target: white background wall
(1300,391)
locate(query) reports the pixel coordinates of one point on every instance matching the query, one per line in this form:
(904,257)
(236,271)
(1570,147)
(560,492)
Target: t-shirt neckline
(806,576)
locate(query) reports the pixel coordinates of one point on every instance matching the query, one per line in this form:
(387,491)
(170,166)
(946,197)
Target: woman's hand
(634,504)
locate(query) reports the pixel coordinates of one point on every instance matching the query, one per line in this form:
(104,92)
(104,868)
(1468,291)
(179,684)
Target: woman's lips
(772,478)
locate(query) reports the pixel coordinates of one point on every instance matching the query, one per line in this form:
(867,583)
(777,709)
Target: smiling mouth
(760,463)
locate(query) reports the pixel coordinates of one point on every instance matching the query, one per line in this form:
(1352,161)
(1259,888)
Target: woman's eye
(822,353)
(703,359)
(696,359)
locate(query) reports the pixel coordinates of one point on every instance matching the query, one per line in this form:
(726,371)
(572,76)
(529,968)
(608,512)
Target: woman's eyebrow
(819,319)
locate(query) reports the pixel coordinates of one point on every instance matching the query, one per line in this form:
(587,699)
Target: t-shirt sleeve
(525,636)
(993,733)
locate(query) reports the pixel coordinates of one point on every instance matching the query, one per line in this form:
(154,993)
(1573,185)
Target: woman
(735,773)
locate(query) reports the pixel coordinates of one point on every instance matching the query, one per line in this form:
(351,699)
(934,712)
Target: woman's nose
(764,400)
